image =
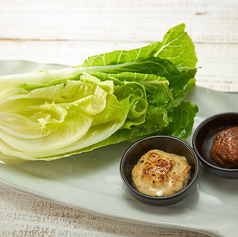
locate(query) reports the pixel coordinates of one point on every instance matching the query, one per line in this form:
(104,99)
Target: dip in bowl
(203,139)
(166,144)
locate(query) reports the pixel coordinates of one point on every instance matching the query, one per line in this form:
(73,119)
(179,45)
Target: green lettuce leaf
(110,98)
(177,47)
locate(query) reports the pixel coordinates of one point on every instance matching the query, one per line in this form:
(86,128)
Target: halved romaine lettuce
(110,98)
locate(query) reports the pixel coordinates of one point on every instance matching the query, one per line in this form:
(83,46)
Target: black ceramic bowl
(167,144)
(203,139)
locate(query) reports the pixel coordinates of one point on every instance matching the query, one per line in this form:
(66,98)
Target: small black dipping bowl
(167,144)
(203,139)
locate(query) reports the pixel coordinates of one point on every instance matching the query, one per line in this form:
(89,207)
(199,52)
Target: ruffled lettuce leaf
(110,98)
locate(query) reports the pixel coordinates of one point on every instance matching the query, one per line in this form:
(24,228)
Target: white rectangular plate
(91,181)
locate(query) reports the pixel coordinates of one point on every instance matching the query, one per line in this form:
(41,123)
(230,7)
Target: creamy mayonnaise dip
(159,173)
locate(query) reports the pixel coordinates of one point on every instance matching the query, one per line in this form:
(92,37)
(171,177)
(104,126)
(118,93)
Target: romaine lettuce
(110,98)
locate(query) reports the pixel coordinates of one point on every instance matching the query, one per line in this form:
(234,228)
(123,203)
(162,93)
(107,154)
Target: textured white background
(66,32)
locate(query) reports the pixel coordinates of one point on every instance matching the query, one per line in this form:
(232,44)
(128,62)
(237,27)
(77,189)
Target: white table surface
(67,32)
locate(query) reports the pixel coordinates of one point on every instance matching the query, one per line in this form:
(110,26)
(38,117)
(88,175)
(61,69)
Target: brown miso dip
(224,150)
(159,173)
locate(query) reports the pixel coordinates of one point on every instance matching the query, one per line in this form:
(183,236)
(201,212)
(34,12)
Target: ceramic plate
(91,181)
